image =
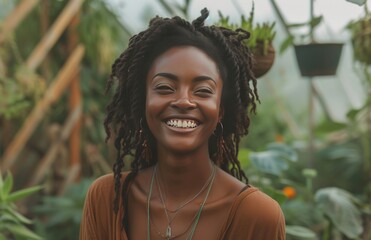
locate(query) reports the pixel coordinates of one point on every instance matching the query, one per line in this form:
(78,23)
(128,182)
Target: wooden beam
(16,16)
(75,94)
(49,158)
(52,94)
(53,34)
(46,70)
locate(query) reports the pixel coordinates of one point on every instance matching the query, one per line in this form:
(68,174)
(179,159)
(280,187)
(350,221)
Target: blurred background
(309,145)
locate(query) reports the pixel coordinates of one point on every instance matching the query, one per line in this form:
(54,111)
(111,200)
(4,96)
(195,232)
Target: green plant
(12,223)
(361,38)
(360,30)
(60,216)
(313,212)
(261,33)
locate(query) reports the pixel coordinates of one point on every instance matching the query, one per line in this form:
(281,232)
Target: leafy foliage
(263,33)
(319,210)
(338,205)
(361,38)
(62,214)
(12,223)
(300,233)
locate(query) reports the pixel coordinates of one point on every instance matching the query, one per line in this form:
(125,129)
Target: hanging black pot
(318,59)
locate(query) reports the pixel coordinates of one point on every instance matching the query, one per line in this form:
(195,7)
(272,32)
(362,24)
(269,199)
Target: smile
(181,123)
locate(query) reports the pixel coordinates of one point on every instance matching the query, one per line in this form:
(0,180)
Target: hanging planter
(313,59)
(318,59)
(361,39)
(260,41)
(262,60)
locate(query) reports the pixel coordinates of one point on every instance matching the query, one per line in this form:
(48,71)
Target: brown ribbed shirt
(253,215)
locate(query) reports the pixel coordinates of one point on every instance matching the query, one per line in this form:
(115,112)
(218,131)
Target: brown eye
(204,92)
(164,89)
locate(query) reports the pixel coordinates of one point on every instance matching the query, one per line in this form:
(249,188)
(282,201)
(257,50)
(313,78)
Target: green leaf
(339,206)
(268,162)
(17,216)
(285,151)
(1,185)
(22,231)
(330,126)
(288,42)
(299,233)
(22,193)
(8,185)
(297,25)
(243,157)
(358,2)
(315,21)
(352,114)
(6,218)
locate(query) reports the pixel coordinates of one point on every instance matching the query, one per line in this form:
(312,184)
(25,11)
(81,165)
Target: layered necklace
(168,234)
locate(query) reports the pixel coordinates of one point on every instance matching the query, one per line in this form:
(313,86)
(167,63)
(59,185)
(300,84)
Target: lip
(180,130)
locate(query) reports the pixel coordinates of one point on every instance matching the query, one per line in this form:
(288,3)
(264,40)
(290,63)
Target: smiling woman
(183,86)
(180,109)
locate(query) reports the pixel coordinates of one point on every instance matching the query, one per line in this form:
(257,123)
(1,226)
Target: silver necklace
(198,214)
(168,233)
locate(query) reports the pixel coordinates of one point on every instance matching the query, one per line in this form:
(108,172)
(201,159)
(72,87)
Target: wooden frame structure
(67,79)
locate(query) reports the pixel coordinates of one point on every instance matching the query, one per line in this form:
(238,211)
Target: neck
(182,175)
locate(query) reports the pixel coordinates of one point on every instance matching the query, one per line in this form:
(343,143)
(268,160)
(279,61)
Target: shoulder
(254,203)
(102,188)
(256,214)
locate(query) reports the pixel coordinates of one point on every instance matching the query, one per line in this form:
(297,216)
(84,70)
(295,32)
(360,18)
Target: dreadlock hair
(125,114)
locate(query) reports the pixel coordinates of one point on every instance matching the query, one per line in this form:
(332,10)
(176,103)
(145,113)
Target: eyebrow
(175,78)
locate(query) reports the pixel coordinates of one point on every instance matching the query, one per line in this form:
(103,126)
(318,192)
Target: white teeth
(182,123)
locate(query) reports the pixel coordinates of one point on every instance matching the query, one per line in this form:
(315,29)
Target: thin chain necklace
(182,205)
(176,236)
(170,219)
(198,214)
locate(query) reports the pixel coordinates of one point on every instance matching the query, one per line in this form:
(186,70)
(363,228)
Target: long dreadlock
(126,112)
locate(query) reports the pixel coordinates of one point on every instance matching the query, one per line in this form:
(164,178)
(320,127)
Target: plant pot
(262,62)
(318,59)
(361,39)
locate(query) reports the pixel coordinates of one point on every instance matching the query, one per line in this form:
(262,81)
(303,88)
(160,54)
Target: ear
(221,112)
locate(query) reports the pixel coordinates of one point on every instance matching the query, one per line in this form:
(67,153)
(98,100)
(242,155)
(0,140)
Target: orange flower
(289,192)
(279,138)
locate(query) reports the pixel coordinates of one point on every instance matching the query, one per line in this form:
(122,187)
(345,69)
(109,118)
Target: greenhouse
(72,110)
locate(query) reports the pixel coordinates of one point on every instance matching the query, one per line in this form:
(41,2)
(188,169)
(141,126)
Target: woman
(179,111)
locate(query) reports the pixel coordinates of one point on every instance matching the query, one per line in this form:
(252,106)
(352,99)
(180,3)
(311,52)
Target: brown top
(253,215)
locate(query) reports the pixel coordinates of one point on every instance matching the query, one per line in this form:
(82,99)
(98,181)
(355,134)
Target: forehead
(185,60)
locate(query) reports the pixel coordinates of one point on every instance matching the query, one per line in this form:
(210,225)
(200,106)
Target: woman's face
(184,91)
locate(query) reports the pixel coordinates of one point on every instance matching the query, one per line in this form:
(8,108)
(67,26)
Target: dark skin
(183,108)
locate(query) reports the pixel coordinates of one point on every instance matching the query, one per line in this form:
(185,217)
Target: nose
(184,103)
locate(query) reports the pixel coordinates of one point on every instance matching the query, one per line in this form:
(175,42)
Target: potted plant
(361,38)
(260,41)
(313,58)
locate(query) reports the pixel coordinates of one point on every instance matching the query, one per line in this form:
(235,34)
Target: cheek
(212,110)
(154,107)
(151,106)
